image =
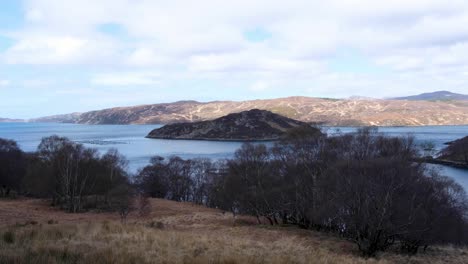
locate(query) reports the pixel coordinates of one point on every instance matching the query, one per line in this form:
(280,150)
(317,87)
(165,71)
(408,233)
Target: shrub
(52,221)
(363,186)
(9,237)
(156,224)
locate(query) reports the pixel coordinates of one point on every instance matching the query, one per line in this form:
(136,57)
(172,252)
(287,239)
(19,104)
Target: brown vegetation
(174,232)
(364,188)
(307,109)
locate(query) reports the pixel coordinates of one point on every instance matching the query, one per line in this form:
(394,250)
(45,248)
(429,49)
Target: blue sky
(62,56)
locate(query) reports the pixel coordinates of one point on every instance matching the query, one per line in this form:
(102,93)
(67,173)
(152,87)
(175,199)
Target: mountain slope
(5,120)
(306,109)
(65,118)
(435,96)
(248,125)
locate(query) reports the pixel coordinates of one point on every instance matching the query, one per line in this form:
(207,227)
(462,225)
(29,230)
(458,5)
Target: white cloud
(126,78)
(416,38)
(260,86)
(4,83)
(147,57)
(34,15)
(41,48)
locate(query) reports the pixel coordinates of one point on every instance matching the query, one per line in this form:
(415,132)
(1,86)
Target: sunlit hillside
(33,232)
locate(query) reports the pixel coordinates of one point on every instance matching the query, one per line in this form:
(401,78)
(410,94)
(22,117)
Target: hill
(456,152)
(174,232)
(244,126)
(65,118)
(7,120)
(333,112)
(435,96)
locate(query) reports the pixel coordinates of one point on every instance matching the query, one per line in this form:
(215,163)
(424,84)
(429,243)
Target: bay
(130,141)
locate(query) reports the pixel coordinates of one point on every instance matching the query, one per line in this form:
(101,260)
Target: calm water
(130,141)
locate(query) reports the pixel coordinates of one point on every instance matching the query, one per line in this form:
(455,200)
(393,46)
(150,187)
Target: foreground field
(32,232)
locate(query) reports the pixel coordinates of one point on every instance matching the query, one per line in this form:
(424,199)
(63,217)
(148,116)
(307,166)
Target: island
(252,125)
(454,155)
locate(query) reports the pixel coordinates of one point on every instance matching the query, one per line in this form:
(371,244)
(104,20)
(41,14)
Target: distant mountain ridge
(65,118)
(333,112)
(249,125)
(5,120)
(435,96)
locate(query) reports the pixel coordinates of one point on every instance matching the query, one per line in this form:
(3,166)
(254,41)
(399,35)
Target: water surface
(130,141)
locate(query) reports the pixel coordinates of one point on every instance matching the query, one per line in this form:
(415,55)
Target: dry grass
(173,233)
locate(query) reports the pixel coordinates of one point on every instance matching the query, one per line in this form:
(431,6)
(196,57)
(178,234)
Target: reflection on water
(459,175)
(130,141)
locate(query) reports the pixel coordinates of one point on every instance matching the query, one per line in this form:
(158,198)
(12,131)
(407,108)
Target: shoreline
(217,139)
(449,163)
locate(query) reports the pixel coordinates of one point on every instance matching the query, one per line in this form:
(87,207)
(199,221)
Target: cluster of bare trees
(363,186)
(12,167)
(179,180)
(75,177)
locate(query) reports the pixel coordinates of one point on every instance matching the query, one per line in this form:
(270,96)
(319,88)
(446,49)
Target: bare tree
(364,186)
(122,201)
(115,165)
(143,205)
(201,170)
(71,165)
(12,167)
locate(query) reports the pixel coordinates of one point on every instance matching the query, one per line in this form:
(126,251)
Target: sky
(63,56)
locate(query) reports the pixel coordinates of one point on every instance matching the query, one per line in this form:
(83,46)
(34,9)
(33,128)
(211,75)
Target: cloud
(259,86)
(298,28)
(34,15)
(248,45)
(126,79)
(146,57)
(302,27)
(45,48)
(4,83)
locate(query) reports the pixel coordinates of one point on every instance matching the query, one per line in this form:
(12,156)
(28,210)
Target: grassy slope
(188,234)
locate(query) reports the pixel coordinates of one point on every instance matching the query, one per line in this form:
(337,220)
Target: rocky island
(252,125)
(454,155)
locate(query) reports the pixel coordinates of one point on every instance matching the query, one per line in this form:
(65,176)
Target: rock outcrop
(252,125)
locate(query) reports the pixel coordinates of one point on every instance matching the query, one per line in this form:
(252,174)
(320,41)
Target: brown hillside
(306,109)
(173,233)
